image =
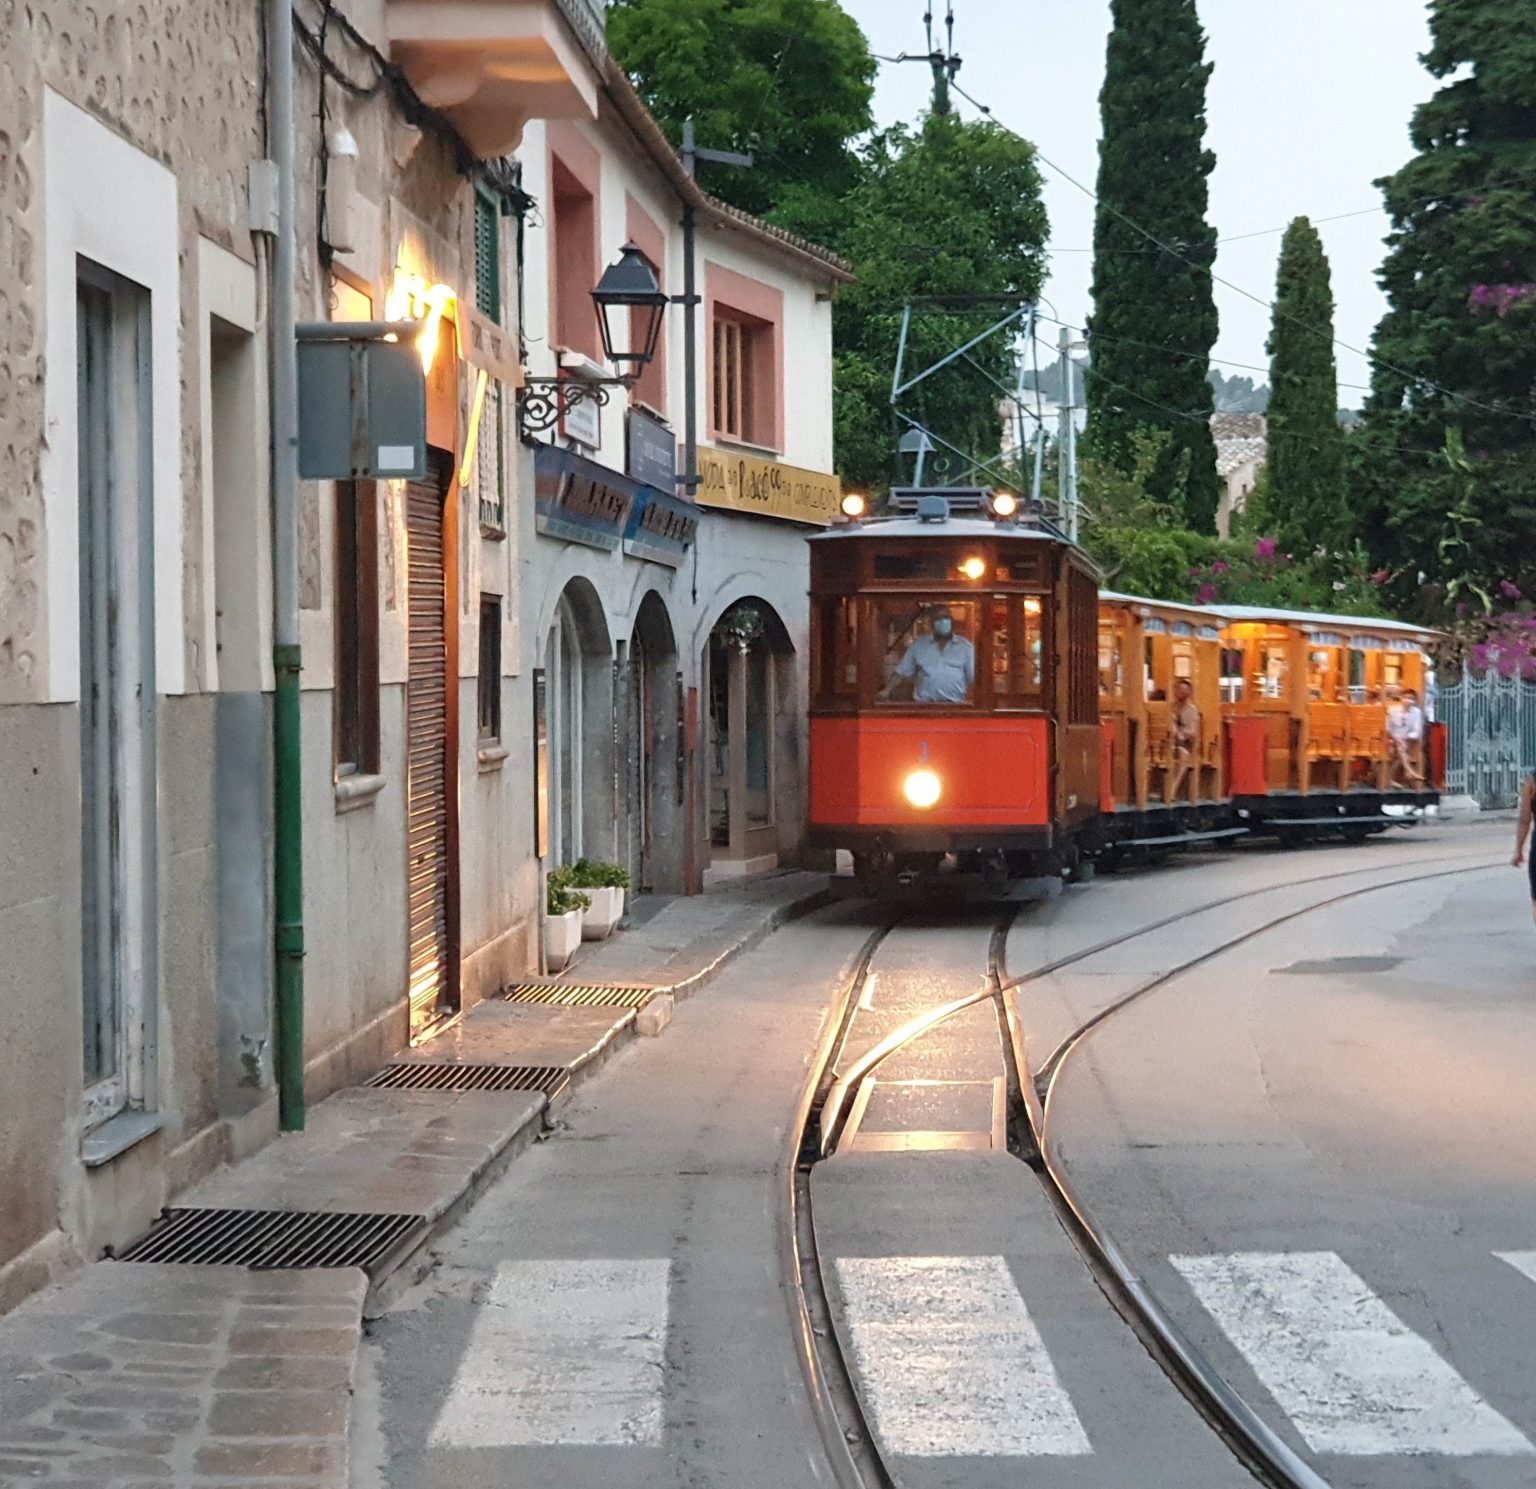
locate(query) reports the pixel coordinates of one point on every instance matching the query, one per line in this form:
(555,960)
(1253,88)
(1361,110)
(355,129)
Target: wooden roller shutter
(427,846)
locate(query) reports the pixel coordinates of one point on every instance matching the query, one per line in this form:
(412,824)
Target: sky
(1309,104)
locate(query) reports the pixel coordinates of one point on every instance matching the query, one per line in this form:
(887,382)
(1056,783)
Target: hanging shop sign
(489,347)
(579,500)
(581,419)
(651,454)
(768,488)
(661,527)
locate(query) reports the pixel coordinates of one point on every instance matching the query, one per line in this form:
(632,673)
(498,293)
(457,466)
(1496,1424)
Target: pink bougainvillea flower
(1221,566)
(1478,657)
(1207,594)
(1265,548)
(1509,589)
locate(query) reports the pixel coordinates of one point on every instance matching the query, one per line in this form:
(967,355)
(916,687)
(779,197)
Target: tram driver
(939,666)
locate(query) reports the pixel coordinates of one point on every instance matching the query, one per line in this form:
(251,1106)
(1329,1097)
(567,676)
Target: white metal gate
(1491,726)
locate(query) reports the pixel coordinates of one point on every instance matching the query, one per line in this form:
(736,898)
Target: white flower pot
(599,919)
(562,935)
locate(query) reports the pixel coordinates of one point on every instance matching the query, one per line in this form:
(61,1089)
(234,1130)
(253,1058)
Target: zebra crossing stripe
(1352,1377)
(562,1353)
(950,1361)
(1521,1261)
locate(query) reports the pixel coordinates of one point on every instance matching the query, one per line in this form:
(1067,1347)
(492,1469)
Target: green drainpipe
(287,806)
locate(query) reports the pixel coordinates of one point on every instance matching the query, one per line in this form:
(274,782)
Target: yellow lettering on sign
(747,483)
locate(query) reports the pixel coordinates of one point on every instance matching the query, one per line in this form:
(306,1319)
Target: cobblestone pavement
(145,1377)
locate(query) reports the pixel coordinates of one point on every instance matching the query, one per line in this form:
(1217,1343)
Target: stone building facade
(446,625)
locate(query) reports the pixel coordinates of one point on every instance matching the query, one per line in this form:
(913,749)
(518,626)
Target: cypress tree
(1154,313)
(1455,353)
(1306,444)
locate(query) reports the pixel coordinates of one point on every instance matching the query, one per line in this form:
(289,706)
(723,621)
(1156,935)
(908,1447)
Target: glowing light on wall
(413,297)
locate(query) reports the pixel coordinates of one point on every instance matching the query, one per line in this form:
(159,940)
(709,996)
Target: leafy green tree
(948,208)
(1305,492)
(1154,313)
(1448,428)
(789,80)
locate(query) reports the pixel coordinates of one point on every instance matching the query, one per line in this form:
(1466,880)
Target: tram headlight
(922,788)
(974,568)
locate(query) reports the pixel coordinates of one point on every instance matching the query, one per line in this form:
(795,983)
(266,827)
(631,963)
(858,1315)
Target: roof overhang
(490,66)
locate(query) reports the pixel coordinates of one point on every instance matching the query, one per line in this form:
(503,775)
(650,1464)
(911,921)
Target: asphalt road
(1318,1148)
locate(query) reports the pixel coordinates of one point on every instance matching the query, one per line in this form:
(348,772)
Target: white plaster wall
(807,390)
(115,205)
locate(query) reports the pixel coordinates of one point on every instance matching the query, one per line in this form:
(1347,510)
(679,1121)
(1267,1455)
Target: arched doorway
(579,701)
(753,763)
(655,768)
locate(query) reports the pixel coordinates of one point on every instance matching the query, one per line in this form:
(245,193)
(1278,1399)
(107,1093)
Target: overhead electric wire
(1411,378)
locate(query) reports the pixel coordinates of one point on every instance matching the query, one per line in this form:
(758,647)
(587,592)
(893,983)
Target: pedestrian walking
(1523,834)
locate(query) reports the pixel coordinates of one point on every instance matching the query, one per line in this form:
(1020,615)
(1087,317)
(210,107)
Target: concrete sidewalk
(146,1374)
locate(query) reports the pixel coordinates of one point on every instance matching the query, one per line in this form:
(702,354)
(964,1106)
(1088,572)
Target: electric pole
(1066,439)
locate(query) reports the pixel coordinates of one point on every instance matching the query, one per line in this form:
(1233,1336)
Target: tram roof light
(1004,505)
(854,505)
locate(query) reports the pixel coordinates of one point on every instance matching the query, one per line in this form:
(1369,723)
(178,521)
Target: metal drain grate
(578,995)
(550,1079)
(273,1239)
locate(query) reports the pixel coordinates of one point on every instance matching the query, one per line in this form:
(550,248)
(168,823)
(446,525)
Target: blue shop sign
(652,451)
(661,527)
(579,500)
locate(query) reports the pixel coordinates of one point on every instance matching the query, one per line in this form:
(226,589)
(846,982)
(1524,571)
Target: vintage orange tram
(954,693)
(977,703)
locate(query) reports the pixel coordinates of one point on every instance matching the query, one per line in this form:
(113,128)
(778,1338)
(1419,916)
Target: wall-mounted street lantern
(628,285)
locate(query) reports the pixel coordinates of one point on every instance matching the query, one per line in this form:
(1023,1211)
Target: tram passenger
(1186,732)
(940,667)
(1523,833)
(1405,728)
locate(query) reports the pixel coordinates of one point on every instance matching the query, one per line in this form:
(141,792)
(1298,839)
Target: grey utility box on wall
(362,402)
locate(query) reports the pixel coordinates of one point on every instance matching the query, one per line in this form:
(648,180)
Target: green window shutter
(487,257)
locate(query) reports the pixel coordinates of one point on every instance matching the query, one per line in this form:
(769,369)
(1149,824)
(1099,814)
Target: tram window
(1231,674)
(1111,662)
(1357,685)
(1149,671)
(1016,647)
(838,650)
(1270,681)
(1320,684)
(928,651)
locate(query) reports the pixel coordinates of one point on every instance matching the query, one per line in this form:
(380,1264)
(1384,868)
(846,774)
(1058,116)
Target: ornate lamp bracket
(544,401)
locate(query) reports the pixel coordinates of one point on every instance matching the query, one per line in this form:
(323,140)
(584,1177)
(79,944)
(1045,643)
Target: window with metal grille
(490,668)
(357,629)
(490,461)
(487,256)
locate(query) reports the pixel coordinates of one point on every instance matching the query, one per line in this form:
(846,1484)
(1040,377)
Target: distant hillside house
(1242,446)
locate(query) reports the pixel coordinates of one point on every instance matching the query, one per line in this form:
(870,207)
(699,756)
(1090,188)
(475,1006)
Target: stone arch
(755,791)
(577,650)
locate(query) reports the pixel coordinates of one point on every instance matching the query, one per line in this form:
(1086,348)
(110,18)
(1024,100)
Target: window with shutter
(487,256)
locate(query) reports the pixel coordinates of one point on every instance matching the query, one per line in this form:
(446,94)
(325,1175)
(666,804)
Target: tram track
(851,1446)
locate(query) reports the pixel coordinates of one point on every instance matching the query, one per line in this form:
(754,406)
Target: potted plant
(564,906)
(604,884)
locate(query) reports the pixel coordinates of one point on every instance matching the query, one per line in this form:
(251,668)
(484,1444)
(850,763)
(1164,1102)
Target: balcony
(492,65)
